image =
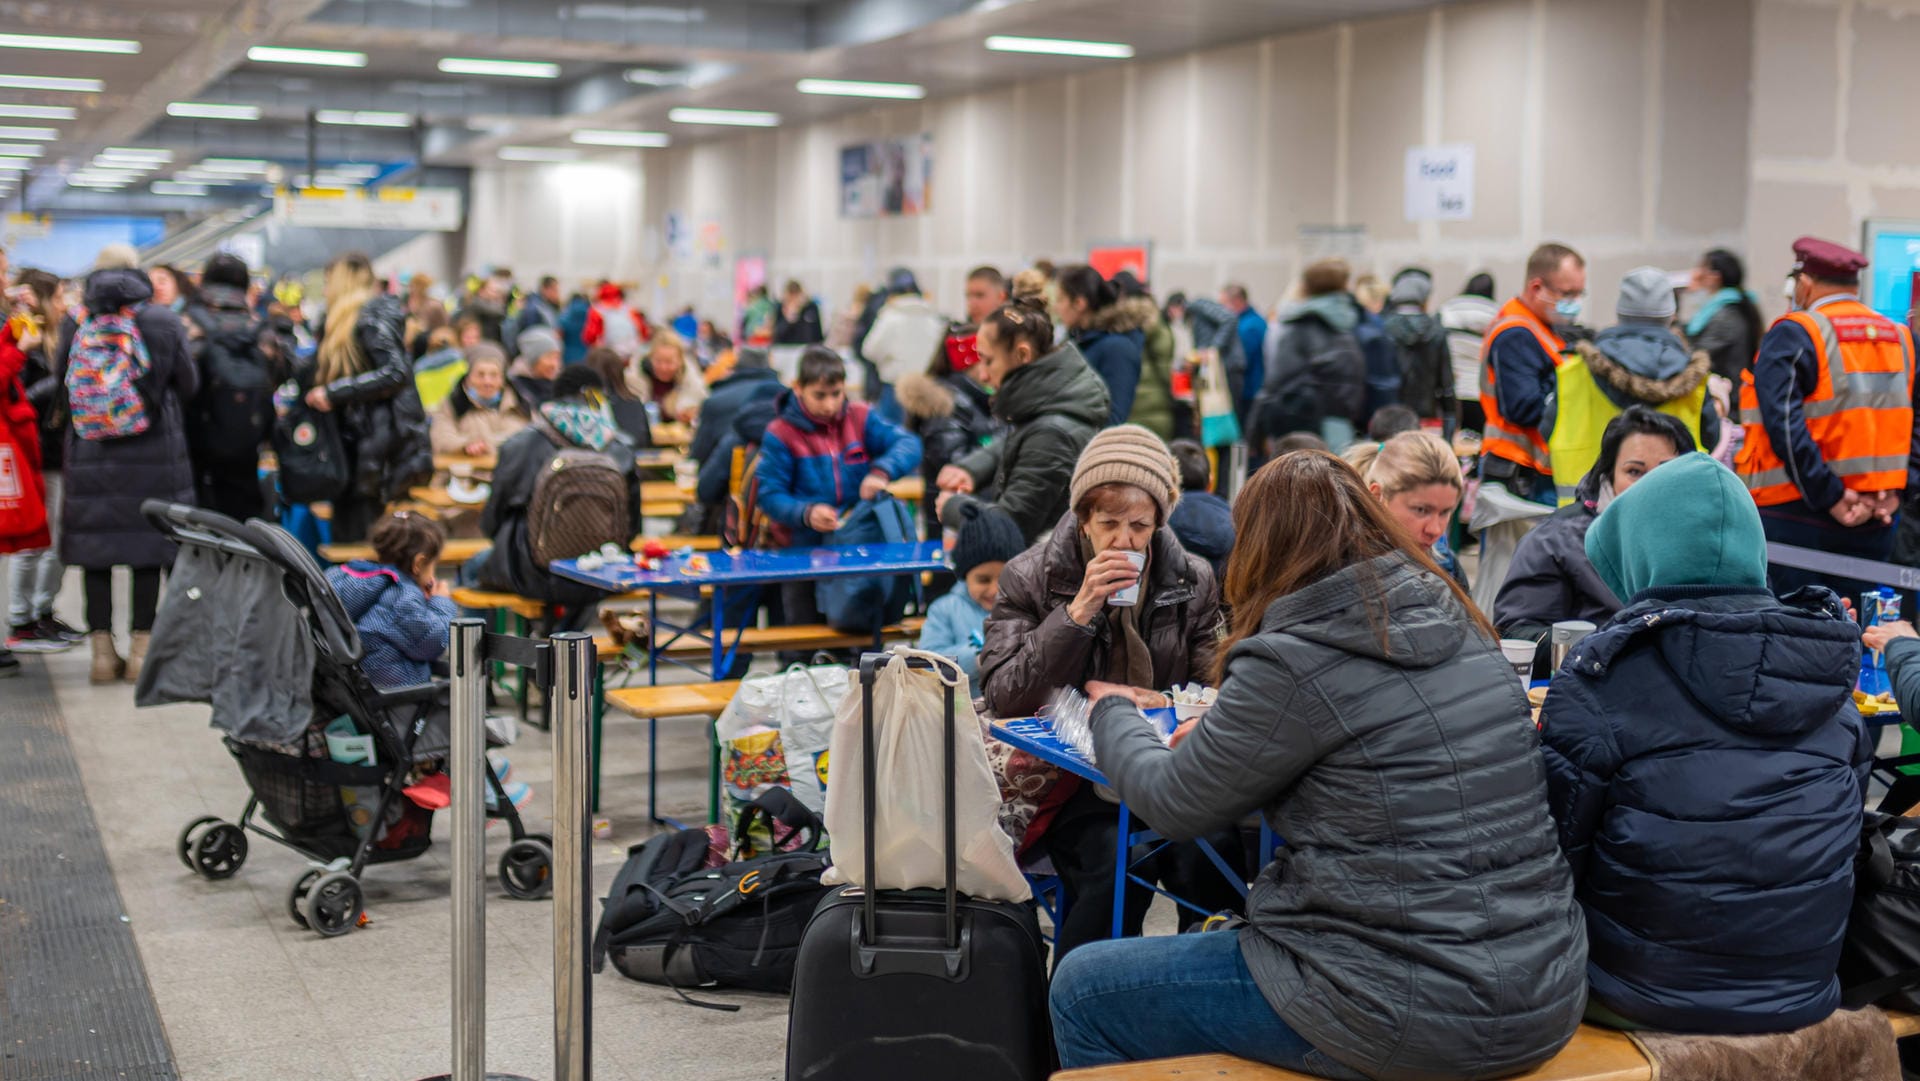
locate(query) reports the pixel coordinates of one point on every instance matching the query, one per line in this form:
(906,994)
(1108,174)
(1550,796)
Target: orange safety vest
(1860,415)
(1502,439)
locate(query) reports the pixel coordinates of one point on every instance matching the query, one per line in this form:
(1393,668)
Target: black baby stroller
(251,627)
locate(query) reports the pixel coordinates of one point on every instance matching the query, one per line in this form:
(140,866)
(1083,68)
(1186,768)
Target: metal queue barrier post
(568,688)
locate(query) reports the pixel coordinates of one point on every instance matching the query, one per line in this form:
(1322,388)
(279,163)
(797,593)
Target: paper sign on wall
(1440,182)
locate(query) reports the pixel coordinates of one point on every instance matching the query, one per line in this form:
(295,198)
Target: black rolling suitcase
(917,985)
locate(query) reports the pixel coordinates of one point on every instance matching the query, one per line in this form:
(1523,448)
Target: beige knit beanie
(1128,454)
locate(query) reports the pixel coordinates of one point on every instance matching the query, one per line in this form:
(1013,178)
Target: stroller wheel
(297,897)
(334,904)
(219,852)
(526,869)
(185,845)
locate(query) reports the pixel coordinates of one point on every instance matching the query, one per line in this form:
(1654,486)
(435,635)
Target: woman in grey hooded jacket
(1419,922)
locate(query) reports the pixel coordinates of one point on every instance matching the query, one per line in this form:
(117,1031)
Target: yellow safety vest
(1582,415)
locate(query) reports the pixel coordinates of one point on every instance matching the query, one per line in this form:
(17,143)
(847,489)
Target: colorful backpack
(107,360)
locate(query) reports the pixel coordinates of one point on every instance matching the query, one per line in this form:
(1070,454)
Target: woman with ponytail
(1112,341)
(361,371)
(1728,325)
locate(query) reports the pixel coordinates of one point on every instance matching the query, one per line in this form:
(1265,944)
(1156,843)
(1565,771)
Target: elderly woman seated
(482,412)
(1064,619)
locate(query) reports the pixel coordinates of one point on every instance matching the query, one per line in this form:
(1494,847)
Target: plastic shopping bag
(776,732)
(909,815)
(809,698)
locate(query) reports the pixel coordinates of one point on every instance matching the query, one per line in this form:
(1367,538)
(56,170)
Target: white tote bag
(909,828)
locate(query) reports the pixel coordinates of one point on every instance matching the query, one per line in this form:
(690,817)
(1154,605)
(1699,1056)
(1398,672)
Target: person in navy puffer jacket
(395,603)
(1707,769)
(822,455)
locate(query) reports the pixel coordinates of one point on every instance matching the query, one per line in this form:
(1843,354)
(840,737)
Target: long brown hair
(1302,517)
(349,285)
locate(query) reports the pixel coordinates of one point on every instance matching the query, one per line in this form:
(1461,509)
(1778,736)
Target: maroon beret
(1826,260)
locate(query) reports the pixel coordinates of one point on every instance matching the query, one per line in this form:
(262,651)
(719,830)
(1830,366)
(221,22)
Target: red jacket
(23,502)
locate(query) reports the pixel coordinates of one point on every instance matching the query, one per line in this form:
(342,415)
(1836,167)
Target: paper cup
(462,470)
(1130,596)
(1519,653)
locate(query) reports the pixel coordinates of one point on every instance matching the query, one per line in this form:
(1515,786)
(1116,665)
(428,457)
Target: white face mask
(1605,497)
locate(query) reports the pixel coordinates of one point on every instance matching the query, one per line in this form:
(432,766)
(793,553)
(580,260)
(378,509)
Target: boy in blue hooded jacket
(1707,769)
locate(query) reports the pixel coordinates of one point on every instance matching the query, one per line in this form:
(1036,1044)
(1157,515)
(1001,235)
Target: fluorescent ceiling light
(360,169)
(234,165)
(39,112)
(15,165)
(538,153)
(69,45)
(742,118)
(204,110)
(365,118)
(52,82)
(847,88)
(21,150)
(189,177)
(599,137)
(513,69)
(1105,50)
(653,77)
(119,165)
(326,58)
(42,134)
(171,187)
(150,153)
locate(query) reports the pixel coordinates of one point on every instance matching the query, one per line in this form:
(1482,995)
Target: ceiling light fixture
(364,118)
(16,165)
(512,69)
(174,187)
(538,153)
(1103,50)
(653,77)
(42,134)
(362,170)
(205,110)
(326,58)
(52,82)
(21,150)
(39,112)
(68,45)
(120,165)
(234,165)
(740,118)
(149,153)
(848,88)
(600,137)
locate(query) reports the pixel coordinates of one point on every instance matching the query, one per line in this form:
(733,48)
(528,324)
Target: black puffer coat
(1419,923)
(100,520)
(953,417)
(380,416)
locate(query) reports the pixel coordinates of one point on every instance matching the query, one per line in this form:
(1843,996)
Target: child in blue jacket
(400,609)
(956,623)
(822,455)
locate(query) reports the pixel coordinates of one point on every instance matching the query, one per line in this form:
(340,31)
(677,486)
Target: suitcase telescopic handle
(870,665)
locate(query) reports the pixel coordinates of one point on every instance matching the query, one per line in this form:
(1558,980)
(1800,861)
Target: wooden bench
(487,600)
(650,704)
(456,552)
(790,639)
(1595,1054)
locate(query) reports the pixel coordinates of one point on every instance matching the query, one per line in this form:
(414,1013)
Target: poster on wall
(1319,242)
(1440,182)
(1892,248)
(678,234)
(750,273)
(1112,258)
(888,178)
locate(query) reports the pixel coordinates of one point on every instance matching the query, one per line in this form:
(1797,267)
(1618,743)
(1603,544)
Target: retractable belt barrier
(1865,570)
(563,668)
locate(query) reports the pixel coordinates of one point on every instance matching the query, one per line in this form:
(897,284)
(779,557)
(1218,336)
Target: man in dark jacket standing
(751,380)
(1425,359)
(1316,374)
(1707,769)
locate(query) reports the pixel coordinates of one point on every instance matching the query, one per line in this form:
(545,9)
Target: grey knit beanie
(1128,454)
(1646,293)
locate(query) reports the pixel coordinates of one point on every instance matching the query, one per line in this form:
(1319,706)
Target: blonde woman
(669,379)
(1417,478)
(361,372)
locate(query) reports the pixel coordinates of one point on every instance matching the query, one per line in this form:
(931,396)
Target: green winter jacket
(1052,408)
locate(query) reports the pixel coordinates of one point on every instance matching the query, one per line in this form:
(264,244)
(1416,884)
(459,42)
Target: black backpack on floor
(669,919)
(1880,960)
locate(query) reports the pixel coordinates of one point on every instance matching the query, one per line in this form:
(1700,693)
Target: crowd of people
(1459,886)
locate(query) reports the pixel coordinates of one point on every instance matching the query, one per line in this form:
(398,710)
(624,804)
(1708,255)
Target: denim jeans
(33,578)
(1124,1000)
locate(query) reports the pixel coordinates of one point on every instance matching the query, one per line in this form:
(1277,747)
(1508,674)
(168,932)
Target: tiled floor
(246,994)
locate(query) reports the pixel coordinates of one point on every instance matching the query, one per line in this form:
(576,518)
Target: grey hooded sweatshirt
(1419,923)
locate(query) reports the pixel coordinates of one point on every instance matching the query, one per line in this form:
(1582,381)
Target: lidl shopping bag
(910,783)
(776,732)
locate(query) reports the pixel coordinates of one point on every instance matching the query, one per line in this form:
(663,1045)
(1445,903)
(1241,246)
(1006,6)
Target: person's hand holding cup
(1112,578)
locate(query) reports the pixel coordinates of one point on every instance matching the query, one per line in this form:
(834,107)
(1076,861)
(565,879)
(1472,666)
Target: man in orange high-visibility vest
(1517,361)
(1828,411)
